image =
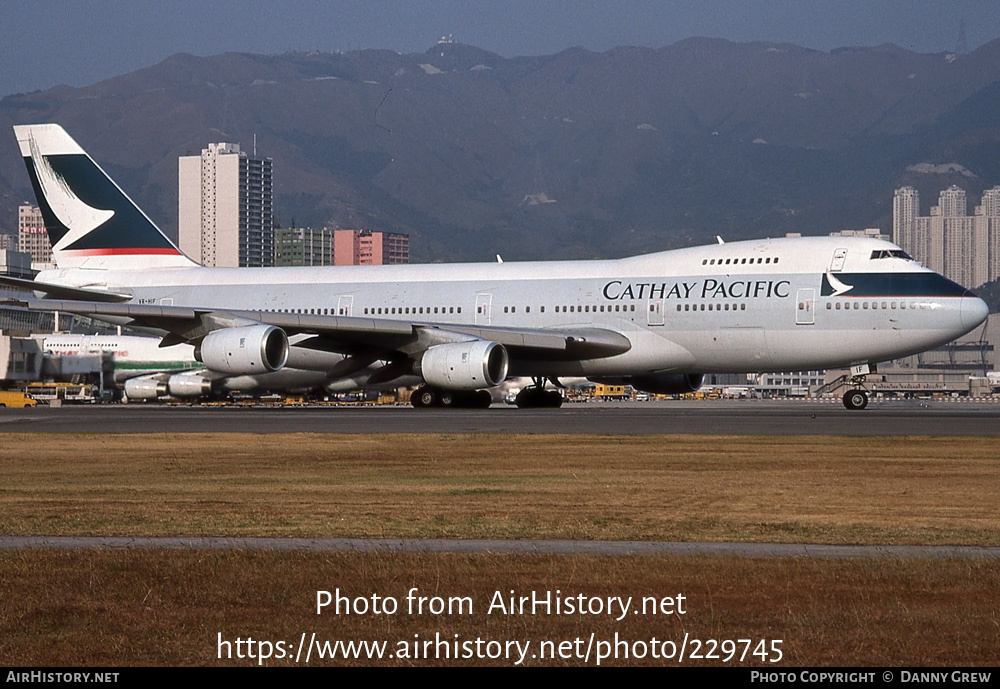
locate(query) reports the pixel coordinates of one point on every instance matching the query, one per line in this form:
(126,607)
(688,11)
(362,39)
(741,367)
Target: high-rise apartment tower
(225,208)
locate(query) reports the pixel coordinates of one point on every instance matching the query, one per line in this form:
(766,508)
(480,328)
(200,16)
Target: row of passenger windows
(874,305)
(701,307)
(422,310)
(586,308)
(315,312)
(602,308)
(738,261)
(381,311)
(393,310)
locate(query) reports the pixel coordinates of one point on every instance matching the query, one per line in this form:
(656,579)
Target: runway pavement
(716,417)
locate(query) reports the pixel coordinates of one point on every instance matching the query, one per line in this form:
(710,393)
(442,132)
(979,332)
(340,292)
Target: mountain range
(572,155)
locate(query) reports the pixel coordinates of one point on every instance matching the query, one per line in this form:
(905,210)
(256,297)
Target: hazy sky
(49,42)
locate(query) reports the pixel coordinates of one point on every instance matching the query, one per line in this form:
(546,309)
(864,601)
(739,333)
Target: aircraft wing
(350,334)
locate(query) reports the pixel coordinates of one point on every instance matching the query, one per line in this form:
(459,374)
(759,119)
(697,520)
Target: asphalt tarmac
(712,417)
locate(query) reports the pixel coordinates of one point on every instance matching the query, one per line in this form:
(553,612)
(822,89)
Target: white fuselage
(766,305)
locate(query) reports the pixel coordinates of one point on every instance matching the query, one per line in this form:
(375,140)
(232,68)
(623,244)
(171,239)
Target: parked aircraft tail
(90,221)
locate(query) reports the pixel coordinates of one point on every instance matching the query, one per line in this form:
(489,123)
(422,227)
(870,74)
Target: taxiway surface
(719,417)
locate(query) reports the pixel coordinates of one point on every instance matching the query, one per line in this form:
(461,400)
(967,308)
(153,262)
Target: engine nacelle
(245,350)
(188,385)
(660,383)
(145,389)
(471,365)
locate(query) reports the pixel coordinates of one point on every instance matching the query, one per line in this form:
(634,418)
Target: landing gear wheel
(856,399)
(533,398)
(424,397)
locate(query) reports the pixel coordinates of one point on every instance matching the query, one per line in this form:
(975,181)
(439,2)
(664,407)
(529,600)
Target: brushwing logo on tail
(80,218)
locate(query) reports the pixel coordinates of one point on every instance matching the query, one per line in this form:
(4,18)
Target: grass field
(825,490)
(168,607)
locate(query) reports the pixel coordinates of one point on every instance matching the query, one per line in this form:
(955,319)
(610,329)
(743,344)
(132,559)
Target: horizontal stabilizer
(63,292)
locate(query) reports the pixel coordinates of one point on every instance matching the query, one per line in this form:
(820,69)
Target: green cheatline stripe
(156,365)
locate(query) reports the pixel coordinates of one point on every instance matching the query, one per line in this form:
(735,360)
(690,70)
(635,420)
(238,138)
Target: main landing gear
(537,396)
(426,396)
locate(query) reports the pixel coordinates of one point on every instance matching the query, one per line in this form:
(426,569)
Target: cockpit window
(890,253)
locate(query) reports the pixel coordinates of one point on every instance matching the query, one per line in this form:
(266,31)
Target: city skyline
(964,248)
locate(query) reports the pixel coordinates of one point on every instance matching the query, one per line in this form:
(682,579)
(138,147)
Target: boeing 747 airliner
(657,321)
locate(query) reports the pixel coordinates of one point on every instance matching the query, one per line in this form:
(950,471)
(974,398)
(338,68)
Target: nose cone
(974,312)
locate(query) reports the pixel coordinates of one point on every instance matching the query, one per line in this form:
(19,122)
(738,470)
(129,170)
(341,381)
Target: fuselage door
(805,306)
(837,264)
(654,312)
(345,304)
(484,309)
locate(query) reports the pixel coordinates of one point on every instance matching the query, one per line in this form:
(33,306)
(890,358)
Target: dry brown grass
(167,607)
(830,490)
(156,607)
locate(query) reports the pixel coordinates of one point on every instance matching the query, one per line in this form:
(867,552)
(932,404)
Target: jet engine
(145,388)
(244,350)
(188,385)
(660,383)
(471,365)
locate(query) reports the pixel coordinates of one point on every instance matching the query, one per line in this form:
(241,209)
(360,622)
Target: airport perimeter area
(200,606)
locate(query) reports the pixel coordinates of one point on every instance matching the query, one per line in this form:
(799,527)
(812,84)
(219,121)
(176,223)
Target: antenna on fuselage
(719,239)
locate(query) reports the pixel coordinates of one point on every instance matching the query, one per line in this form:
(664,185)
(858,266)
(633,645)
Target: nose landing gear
(856,399)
